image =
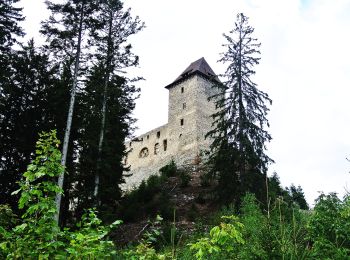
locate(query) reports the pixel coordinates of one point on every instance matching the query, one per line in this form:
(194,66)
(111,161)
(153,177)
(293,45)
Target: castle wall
(182,139)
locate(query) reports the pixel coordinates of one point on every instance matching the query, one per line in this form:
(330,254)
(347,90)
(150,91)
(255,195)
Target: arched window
(144,152)
(156,148)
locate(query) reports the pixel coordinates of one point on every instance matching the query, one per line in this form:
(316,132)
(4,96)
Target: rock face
(183,138)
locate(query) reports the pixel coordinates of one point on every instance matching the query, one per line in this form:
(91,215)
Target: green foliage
(238,157)
(145,249)
(185,178)
(329,228)
(87,242)
(38,235)
(151,197)
(223,240)
(169,170)
(255,228)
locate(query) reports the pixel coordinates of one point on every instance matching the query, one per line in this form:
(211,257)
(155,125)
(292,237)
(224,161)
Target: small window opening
(184,106)
(156,148)
(144,152)
(165,144)
(181,122)
(147,137)
(182,90)
(130,144)
(180,135)
(158,134)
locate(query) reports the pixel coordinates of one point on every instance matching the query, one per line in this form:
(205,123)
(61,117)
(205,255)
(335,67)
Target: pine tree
(241,117)
(65,31)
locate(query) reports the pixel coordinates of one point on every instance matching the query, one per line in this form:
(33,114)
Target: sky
(305,69)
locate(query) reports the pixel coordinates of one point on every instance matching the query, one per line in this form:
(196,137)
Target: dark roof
(200,67)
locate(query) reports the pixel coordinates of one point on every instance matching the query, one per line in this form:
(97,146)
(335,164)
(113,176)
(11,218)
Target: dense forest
(65,113)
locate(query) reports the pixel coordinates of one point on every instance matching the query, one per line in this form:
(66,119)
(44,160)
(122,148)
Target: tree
(118,126)
(297,196)
(65,30)
(9,28)
(115,52)
(241,113)
(25,111)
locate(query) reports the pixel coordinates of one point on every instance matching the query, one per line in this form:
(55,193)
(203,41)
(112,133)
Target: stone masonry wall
(181,140)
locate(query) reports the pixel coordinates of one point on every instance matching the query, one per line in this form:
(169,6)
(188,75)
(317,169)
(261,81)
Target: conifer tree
(238,150)
(24,106)
(115,52)
(9,27)
(66,31)
(118,126)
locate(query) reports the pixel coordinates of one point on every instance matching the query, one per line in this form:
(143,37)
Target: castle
(183,138)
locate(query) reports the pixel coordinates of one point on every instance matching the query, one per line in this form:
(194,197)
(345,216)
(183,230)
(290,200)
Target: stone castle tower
(183,138)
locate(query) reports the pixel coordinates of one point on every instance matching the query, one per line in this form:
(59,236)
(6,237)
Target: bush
(168,170)
(329,228)
(185,178)
(38,236)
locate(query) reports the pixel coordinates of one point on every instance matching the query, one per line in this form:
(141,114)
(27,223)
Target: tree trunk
(70,113)
(104,108)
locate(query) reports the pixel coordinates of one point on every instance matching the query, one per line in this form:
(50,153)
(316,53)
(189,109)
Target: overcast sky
(305,69)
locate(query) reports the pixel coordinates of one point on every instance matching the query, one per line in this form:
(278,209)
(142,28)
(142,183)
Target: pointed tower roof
(200,67)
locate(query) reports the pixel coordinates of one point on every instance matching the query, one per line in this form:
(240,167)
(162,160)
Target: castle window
(165,144)
(144,152)
(147,137)
(182,90)
(181,122)
(156,148)
(184,106)
(158,134)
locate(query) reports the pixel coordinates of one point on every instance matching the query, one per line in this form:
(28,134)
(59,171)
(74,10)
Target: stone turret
(183,137)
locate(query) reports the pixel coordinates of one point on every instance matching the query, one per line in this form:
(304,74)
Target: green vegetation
(283,231)
(87,46)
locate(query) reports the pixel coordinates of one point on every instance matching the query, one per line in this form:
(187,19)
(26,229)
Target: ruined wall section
(182,139)
(147,154)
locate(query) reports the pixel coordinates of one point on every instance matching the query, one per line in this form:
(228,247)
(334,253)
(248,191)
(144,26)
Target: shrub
(168,170)
(329,228)
(223,240)
(38,236)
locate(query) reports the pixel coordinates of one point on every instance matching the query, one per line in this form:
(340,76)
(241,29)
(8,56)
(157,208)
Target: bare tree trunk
(104,108)
(70,114)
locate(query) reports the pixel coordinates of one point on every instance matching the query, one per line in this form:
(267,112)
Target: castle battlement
(183,138)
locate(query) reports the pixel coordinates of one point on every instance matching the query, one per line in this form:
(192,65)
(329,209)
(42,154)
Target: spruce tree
(24,106)
(66,31)
(115,52)
(238,151)
(118,126)
(9,27)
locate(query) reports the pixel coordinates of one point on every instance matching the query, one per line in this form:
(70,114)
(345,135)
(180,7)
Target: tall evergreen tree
(9,28)
(115,51)
(241,118)
(65,30)
(119,105)
(24,103)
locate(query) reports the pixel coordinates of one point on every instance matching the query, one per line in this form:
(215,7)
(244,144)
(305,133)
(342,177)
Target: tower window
(158,134)
(184,106)
(182,90)
(181,122)
(165,144)
(147,137)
